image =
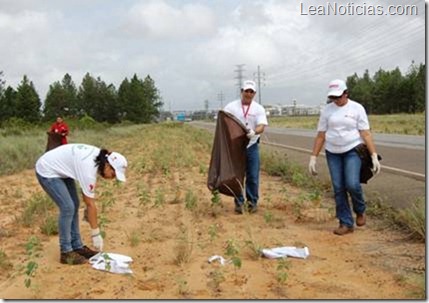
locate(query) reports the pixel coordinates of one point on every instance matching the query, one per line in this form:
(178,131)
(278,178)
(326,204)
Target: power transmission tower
(239,77)
(220,97)
(260,77)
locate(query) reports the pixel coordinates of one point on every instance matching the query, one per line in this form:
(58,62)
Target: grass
(404,124)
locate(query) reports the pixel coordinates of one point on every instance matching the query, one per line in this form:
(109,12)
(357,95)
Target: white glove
(312,166)
(97,240)
(250,133)
(376,167)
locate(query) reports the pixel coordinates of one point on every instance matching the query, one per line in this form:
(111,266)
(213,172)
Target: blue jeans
(252,176)
(345,174)
(64,194)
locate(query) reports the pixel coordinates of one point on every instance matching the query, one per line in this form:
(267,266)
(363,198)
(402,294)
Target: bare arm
(259,129)
(319,141)
(92,211)
(367,138)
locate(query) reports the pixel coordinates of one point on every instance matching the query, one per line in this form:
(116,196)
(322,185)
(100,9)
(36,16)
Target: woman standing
(56,171)
(343,125)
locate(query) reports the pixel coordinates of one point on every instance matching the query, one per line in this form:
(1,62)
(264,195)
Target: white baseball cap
(249,84)
(119,164)
(336,88)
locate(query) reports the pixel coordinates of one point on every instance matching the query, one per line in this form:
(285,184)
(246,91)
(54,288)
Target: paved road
(401,181)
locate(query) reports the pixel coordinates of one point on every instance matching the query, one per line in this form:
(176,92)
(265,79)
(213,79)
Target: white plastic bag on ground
(286,251)
(111,262)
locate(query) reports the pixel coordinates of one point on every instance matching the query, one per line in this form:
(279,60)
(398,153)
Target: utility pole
(206,107)
(239,77)
(259,77)
(220,98)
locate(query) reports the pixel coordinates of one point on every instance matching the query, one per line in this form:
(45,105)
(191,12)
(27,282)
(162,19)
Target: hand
(312,166)
(97,240)
(376,167)
(250,133)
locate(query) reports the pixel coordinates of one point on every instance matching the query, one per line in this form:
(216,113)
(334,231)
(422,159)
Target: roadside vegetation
(402,124)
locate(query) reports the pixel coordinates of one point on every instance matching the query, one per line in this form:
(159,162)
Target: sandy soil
(170,241)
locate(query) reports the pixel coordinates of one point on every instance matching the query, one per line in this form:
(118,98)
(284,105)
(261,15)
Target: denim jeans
(345,174)
(252,176)
(64,194)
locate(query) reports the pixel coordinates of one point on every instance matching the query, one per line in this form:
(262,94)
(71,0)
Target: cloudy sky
(194,49)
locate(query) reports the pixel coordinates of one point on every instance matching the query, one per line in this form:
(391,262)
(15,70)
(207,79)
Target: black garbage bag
(54,140)
(228,160)
(366,172)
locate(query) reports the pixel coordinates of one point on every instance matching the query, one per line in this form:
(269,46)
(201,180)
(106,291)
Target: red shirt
(62,129)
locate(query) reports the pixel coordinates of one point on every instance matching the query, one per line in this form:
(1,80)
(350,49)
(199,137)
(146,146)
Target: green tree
(27,101)
(139,100)
(98,100)
(70,92)
(7,104)
(55,102)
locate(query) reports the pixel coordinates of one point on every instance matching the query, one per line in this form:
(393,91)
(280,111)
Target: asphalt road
(402,177)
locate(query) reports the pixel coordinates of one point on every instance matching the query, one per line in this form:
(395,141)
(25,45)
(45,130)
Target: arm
(367,138)
(318,144)
(259,129)
(65,131)
(319,141)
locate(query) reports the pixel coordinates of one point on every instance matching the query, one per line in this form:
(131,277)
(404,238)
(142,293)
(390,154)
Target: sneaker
(360,219)
(86,252)
(72,258)
(253,208)
(342,230)
(238,209)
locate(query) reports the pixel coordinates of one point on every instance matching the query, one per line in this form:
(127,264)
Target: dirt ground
(167,225)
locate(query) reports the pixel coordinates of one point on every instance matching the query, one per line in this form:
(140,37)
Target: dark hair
(101,161)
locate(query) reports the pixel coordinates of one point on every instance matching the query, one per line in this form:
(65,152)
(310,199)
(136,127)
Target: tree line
(390,92)
(135,100)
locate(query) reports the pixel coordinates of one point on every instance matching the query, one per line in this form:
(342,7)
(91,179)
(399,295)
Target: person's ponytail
(101,160)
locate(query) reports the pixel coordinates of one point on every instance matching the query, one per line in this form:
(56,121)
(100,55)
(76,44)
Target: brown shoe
(72,258)
(86,252)
(342,230)
(360,219)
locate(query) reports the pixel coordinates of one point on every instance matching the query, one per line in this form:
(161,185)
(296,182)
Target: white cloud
(158,20)
(191,48)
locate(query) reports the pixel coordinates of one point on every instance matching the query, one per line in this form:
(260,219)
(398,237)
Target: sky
(194,50)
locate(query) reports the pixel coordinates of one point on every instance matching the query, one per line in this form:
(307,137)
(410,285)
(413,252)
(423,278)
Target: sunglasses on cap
(249,91)
(333,98)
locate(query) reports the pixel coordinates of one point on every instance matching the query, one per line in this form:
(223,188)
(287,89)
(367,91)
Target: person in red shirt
(60,127)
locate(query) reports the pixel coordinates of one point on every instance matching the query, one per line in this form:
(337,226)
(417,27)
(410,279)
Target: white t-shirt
(342,125)
(250,116)
(74,161)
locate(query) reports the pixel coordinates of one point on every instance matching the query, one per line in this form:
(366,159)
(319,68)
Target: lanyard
(245,113)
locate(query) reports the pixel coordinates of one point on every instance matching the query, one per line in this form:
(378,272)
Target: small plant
(213,232)
(216,203)
(32,248)
(232,251)
(49,226)
(216,278)
(268,216)
(144,196)
(159,197)
(190,200)
(182,286)
(134,238)
(183,248)
(282,268)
